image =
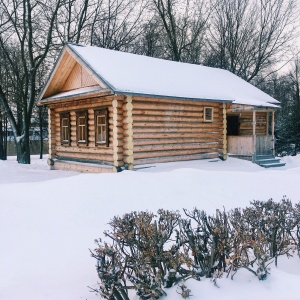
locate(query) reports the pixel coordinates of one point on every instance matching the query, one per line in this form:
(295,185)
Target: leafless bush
(150,252)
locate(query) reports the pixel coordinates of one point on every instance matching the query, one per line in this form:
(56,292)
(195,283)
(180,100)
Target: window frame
(80,114)
(98,112)
(65,115)
(212,114)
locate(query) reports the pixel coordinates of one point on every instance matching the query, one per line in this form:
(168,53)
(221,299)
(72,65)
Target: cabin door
(233,125)
(264,145)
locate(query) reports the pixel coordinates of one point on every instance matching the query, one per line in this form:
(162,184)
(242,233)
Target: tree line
(251,38)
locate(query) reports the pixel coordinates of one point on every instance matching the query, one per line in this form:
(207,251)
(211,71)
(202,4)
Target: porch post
(273,131)
(267,123)
(254,136)
(224,132)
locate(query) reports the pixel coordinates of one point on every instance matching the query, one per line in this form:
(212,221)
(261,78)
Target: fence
(34,148)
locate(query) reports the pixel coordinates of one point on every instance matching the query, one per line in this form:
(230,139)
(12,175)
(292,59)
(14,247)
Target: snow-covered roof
(128,73)
(81,91)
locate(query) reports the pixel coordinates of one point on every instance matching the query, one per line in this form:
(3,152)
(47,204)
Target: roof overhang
(75,96)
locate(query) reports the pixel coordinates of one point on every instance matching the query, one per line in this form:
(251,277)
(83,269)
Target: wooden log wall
(246,123)
(170,130)
(142,131)
(83,152)
(128,132)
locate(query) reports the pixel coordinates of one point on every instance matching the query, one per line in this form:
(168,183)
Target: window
(101,127)
(65,128)
(208,114)
(82,133)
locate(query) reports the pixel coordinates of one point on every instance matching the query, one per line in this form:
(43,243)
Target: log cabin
(111,110)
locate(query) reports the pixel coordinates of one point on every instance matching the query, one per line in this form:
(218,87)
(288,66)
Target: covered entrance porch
(250,133)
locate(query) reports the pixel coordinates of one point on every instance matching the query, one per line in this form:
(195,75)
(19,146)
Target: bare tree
(26,32)
(150,42)
(73,24)
(3,137)
(249,37)
(184,26)
(117,23)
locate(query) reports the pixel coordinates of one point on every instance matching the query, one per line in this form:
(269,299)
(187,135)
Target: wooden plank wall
(64,69)
(78,78)
(82,152)
(246,123)
(170,130)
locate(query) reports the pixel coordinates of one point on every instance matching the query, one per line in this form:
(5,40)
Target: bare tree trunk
(5,139)
(41,132)
(23,149)
(2,154)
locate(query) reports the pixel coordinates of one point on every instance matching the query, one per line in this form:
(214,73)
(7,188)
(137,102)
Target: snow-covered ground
(49,220)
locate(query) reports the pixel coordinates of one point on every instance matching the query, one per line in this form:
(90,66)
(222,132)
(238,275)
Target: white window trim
(212,114)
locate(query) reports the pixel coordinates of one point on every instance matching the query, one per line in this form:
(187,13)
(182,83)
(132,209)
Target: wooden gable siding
(69,74)
(63,70)
(170,130)
(85,153)
(78,78)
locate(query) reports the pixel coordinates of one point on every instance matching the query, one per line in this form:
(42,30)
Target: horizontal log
(119,122)
(94,156)
(150,100)
(118,104)
(95,103)
(152,107)
(172,153)
(182,140)
(80,167)
(177,136)
(167,119)
(91,129)
(174,125)
(175,158)
(187,146)
(84,149)
(168,113)
(172,130)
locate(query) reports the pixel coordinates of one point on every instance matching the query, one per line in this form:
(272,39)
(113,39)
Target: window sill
(102,144)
